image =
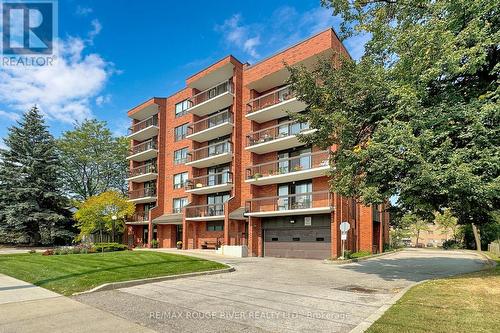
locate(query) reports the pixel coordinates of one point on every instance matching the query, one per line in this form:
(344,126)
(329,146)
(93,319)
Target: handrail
(214,179)
(203,96)
(292,202)
(208,122)
(143,169)
(143,192)
(151,121)
(219,148)
(275,132)
(272,97)
(289,195)
(143,146)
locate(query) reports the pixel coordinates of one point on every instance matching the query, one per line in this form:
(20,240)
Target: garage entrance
(310,243)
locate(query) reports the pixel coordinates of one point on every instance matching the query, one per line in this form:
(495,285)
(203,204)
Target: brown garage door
(312,243)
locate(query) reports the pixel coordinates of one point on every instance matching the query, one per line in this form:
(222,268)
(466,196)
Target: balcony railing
(151,121)
(205,95)
(209,122)
(212,179)
(288,165)
(275,132)
(210,151)
(142,170)
(289,202)
(139,217)
(142,193)
(141,147)
(270,99)
(209,210)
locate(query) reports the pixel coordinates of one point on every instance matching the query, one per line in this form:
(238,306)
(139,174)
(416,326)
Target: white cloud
(282,28)
(83,11)
(63,91)
(96,29)
(241,36)
(10,115)
(102,99)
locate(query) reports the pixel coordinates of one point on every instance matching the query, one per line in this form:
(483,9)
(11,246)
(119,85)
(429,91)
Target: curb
(349,261)
(131,283)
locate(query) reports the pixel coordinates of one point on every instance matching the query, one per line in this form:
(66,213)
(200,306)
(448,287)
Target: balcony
(279,137)
(143,195)
(212,99)
(292,204)
(210,212)
(211,183)
(305,166)
(143,173)
(273,105)
(143,151)
(214,154)
(138,219)
(145,129)
(215,126)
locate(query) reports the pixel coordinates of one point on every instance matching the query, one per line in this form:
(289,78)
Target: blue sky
(115,54)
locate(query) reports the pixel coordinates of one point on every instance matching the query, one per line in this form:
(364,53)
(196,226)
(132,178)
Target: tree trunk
(418,236)
(477,237)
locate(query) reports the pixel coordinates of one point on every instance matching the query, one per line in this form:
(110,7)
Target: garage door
(312,243)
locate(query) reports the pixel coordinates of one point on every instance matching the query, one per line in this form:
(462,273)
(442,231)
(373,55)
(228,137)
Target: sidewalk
(28,308)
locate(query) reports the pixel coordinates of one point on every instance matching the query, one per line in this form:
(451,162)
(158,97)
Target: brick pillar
(150,230)
(195,235)
(255,237)
(184,234)
(227,224)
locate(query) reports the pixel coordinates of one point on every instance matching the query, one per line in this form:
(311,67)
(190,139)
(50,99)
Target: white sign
(345,226)
(343,236)
(307,221)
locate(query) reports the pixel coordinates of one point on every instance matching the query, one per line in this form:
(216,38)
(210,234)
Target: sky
(115,54)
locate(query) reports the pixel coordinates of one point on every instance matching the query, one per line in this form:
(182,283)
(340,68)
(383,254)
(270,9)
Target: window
(180,108)
(180,132)
(178,204)
(180,179)
(180,156)
(215,226)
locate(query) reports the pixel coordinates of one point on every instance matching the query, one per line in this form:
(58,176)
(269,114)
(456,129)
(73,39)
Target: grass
(464,303)
(68,274)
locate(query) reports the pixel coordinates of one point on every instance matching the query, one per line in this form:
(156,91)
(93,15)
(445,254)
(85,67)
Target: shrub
(154,243)
(109,247)
(32,251)
(48,252)
(359,254)
(452,244)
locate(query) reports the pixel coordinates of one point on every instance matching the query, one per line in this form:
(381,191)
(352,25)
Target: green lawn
(67,274)
(465,303)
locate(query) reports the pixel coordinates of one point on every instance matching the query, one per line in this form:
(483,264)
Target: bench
(210,244)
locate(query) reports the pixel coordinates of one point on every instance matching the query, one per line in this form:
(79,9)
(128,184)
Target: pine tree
(32,210)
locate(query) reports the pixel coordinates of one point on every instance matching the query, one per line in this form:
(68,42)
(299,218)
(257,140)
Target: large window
(180,156)
(215,226)
(180,179)
(291,196)
(178,204)
(180,132)
(216,202)
(180,108)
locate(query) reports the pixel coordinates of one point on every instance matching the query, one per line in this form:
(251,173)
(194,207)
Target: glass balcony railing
(211,121)
(142,170)
(205,95)
(272,98)
(142,193)
(212,179)
(289,202)
(210,151)
(288,165)
(275,132)
(209,210)
(142,147)
(151,121)
(139,217)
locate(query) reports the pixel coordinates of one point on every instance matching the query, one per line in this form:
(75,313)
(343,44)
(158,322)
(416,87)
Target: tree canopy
(417,118)
(93,160)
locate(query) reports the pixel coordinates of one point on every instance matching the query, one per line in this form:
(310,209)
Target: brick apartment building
(219,163)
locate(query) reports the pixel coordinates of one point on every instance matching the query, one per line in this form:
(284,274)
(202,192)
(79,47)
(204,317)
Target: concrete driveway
(280,295)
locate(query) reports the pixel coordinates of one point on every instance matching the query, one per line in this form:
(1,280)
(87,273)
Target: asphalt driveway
(280,295)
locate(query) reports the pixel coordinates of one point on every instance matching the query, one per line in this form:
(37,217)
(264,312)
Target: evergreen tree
(33,210)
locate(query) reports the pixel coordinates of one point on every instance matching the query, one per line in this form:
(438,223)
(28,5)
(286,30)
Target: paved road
(280,295)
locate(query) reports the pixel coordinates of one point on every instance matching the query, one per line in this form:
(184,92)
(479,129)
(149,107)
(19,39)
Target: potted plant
(199,185)
(257,176)
(297,168)
(270,172)
(179,245)
(154,244)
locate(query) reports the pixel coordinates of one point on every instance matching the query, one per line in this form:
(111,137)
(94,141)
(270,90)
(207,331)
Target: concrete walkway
(28,308)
